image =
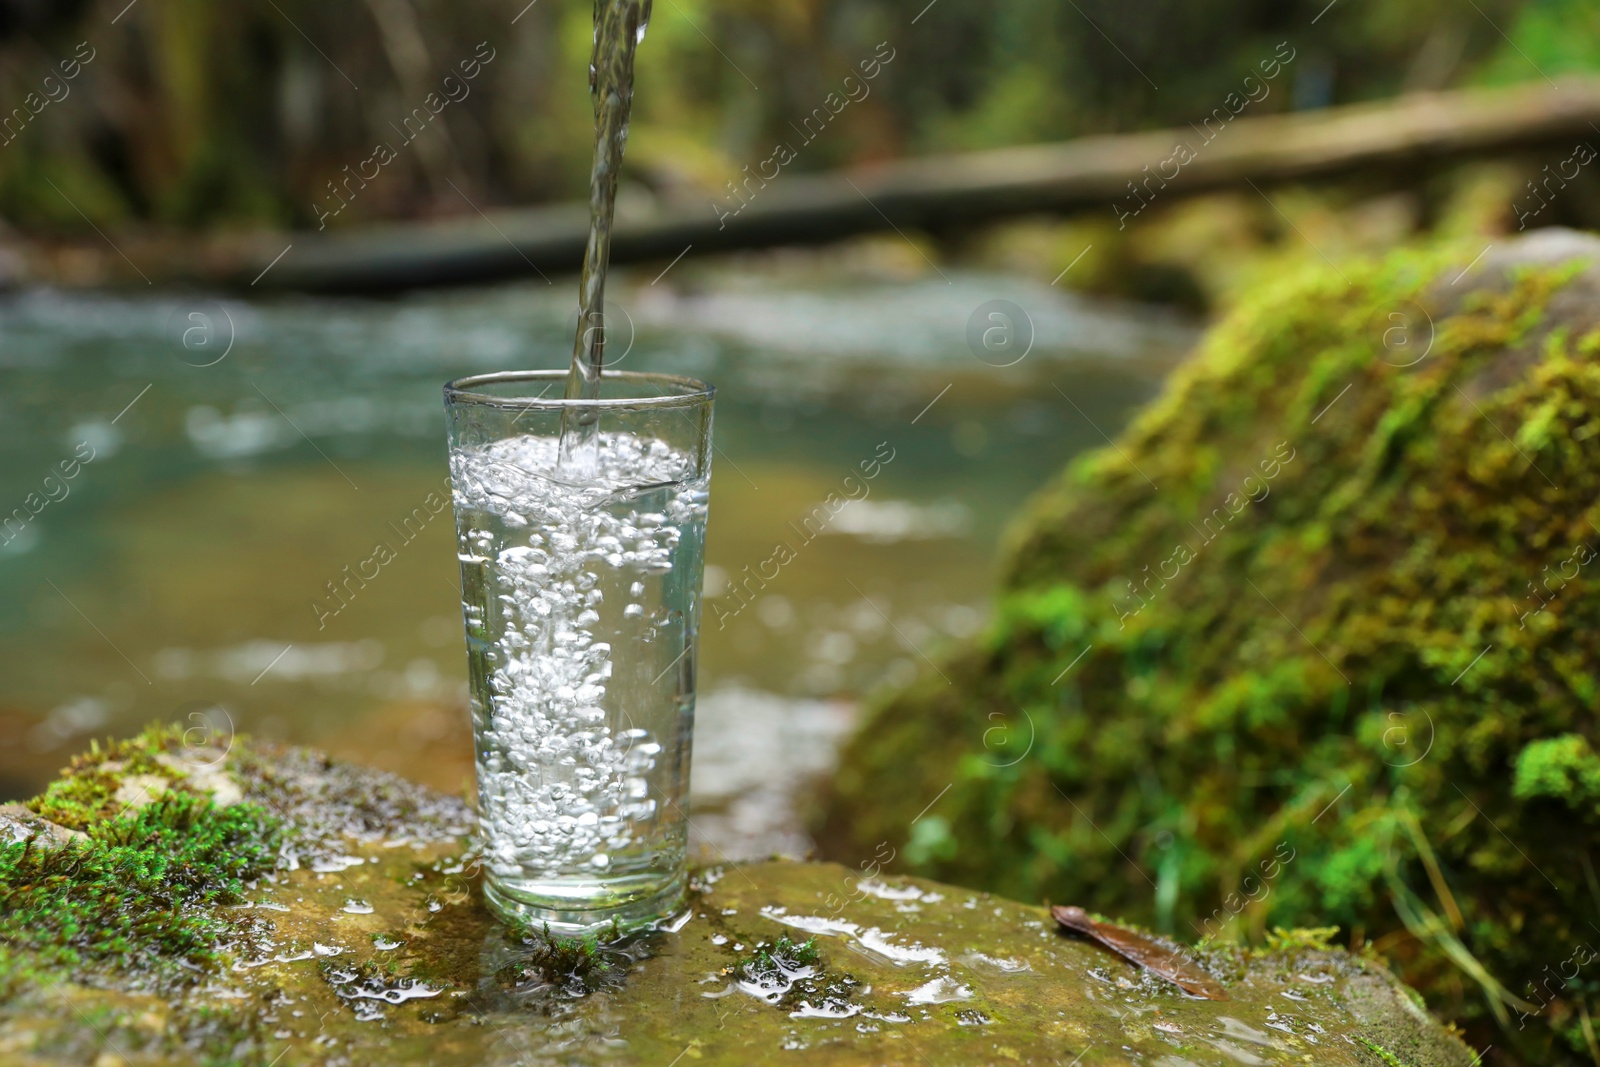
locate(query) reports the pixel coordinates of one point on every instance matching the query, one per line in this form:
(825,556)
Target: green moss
(1316,939)
(575,964)
(137,895)
(88,787)
(782,955)
(1389,1058)
(790,975)
(1563,768)
(1316,683)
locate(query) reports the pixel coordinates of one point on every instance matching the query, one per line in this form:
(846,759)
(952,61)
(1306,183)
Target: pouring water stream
(619,26)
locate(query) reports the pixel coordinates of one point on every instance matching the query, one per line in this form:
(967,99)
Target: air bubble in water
(558,788)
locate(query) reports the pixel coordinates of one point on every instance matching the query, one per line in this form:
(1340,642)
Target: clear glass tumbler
(580,587)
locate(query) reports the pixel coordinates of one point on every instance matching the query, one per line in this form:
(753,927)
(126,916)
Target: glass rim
(692,391)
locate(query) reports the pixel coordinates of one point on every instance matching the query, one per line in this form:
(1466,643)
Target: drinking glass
(580,589)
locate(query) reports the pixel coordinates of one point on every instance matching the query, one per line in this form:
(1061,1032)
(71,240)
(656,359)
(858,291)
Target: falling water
(619,26)
(569,546)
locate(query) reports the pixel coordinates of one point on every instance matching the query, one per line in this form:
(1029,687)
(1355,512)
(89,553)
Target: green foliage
(248,123)
(1548,38)
(137,895)
(1564,768)
(1337,629)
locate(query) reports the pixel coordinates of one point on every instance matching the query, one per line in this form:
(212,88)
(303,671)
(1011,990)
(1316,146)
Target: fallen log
(1116,174)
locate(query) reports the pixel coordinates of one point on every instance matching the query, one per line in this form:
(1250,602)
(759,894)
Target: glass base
(575,910)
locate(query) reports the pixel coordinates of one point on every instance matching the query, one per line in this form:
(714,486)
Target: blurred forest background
(193,114)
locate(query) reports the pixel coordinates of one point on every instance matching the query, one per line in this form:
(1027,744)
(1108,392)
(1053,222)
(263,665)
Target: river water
(234,514)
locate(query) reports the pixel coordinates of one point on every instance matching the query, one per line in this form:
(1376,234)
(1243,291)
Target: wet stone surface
(368,945)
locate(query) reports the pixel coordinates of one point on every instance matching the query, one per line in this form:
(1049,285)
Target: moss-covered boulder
(1317,640)
(267,907)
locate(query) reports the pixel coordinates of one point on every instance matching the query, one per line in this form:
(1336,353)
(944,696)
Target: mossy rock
(1316,641)
(343,925)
